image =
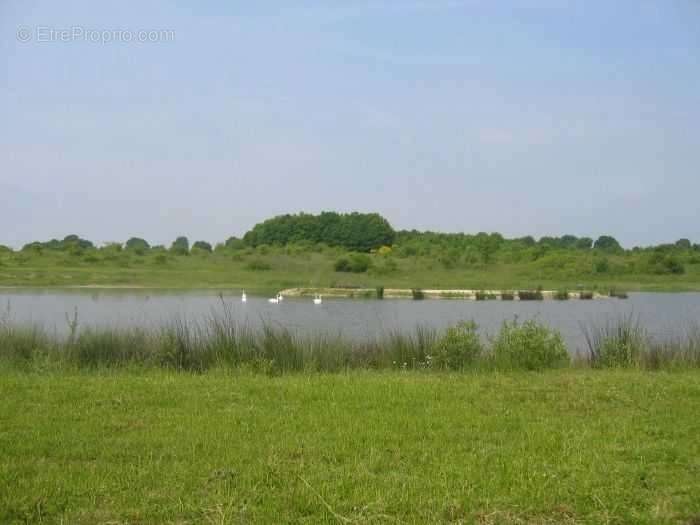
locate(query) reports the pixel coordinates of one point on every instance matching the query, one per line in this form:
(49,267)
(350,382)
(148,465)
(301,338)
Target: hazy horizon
(525,119)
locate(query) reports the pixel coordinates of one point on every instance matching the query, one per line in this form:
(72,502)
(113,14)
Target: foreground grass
(566,446)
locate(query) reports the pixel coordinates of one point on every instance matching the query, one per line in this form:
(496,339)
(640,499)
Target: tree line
(365,232)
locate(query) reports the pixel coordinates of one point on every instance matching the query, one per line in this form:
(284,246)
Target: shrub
(507,296)
(417,294)
(529,346)
(601,266)
(586,296)
(484,296)
(258,265)
(380,292)
(561,295)
(356,263)
(458,346)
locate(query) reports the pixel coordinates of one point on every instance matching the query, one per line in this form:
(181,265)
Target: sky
(530,117)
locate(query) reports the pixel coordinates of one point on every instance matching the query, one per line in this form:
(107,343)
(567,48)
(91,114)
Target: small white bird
(244,297)
(318,299)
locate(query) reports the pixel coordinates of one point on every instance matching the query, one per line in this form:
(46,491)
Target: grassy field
(288,269)
(565,446)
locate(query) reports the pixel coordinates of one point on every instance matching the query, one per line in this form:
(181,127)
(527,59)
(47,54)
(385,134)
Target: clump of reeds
(617,343)
(585,295)
(417,294)
(561,295)
(507,296)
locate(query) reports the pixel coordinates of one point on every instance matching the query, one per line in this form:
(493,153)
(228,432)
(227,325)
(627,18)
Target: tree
(683,244)
(202,245)
(607,243)
(355,231)
(181,246)
(137,244)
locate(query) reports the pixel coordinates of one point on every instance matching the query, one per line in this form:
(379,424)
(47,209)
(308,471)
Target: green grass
(566,446)
(286,268)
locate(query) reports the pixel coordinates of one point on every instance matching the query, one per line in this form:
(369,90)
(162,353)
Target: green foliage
(356,263)
(529,346)
(458,347)
(380,292)
(234,243)
(561,295)
(618,343)
(258,265)
(202,245)
(661,263)
(140,246)
(601,265)
(607,243)
(354,231)
(417,294)
(181,246)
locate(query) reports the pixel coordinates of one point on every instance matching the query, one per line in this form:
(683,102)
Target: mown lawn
(571,446)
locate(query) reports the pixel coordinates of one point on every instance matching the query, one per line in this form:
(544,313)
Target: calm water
(663,314)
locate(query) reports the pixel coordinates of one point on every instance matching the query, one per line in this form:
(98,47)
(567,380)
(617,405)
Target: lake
(663,314)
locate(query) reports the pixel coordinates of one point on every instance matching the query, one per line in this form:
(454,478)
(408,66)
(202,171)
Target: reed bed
(220,341)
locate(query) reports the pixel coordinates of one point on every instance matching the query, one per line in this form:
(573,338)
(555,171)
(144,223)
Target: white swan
(273,300)
(244,297)
(318,299)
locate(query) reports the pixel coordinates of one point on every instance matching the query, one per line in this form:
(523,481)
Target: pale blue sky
(536,117)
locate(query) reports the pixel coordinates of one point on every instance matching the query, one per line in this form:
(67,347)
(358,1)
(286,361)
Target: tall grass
(220,341)
(624,343)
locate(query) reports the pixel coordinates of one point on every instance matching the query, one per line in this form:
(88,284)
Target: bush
(586,296)
(529,346)
(356,263)
(258,265)
(601,266)
(561,295)
(417,294)
(507,296)
(458,346)
(380,292)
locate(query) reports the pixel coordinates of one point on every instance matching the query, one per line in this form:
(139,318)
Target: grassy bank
(568,446)
(274,268)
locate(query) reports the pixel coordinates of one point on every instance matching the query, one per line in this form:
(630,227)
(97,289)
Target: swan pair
(275,300)
(318,299)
